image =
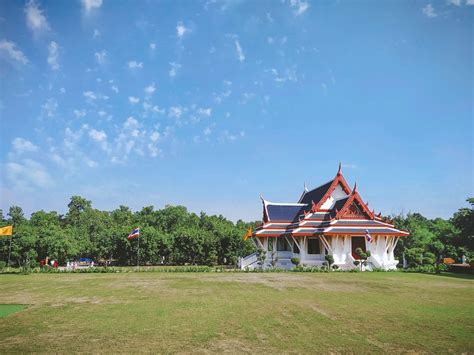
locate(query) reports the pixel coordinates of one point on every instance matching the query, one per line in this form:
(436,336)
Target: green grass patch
(239,312)
(7,309)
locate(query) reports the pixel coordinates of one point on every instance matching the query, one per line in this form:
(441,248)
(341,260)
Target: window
(296,249)
(282,244)
(313,246)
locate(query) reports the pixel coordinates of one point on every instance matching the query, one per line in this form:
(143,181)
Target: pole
(138,253)
(10,250)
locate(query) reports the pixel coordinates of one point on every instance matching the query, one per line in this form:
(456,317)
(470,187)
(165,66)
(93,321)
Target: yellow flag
(249,234)
(8,230)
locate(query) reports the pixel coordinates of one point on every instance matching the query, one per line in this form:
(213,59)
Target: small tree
(330,260)
(364,255)
(274,259)
(295,261)
(261,256)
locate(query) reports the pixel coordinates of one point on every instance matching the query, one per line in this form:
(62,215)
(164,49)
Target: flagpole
(10,250)
(138,253)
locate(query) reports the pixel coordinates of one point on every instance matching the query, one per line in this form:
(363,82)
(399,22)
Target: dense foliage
(433,239)
(171,235)
(175,236)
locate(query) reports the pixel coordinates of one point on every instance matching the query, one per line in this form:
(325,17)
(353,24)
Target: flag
(8,230)
(134,234)
(248,234)
(368,236)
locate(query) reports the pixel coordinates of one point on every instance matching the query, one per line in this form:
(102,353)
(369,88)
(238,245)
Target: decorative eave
(355,197)
(338,179)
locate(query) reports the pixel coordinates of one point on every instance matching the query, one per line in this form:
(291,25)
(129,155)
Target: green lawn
(238,312)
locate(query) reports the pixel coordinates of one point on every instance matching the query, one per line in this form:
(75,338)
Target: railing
(248,261)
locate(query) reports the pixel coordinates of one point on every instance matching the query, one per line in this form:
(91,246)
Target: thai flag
(134,234)
(368,236)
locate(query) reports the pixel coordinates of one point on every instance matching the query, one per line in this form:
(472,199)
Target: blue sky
(208,104)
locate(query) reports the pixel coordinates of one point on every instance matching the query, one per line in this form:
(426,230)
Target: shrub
(295,261)
(2,265)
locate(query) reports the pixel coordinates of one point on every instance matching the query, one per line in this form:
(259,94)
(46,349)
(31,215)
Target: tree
(329,260)
(364,255)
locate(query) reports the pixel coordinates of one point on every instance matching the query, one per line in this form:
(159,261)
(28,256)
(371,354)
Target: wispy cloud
(90,5)
(21,146)
(181,30)
(100,57)
(429,11)
(10,52)
(48,109)
(53,55)
(240,52)
(133,100)
(150,89)
(299,6)
(133,64)
(35,20)
(28,173)
(174,69)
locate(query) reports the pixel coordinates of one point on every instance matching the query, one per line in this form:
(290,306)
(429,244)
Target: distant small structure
(331,219)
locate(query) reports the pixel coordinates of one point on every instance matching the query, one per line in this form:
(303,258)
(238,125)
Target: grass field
(238,312)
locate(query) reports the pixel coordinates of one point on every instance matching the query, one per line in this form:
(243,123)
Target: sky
(209,104)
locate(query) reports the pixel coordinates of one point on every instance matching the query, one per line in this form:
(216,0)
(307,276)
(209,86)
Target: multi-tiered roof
(330,209)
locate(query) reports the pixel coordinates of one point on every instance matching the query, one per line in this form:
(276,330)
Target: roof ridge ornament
(305,187)
(355,188)
(339,170)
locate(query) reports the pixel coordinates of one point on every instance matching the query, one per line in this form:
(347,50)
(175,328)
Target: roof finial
(339,171)
(261,198)
(355,187)
(305,187)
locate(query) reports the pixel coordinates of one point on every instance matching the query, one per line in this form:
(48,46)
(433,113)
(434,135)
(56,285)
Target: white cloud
(79,113)
(133,100)
(152,46)
(299,6)
(130,123)
(155,136)
(469,2)
(176,111)
(35,20)
(455,2)
(181,30)
(133,64)
(114,88)
(101,113)
(27,173)
(48,109)
(21,145)
(100,57)
(98,136)
(429,11)
(207,131)
(96,34)
(9,51)
(91,163)
(231,137)
(90,95)
(89,5)
(150,89)
(53,55)
(174,69)
(204,111)
(240,52)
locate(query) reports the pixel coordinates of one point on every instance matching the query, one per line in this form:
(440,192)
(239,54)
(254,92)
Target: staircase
(250,261)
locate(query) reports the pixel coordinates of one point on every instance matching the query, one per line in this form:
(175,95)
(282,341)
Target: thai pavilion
(329,219)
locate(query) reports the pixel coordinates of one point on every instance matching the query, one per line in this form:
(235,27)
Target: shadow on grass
(454,275)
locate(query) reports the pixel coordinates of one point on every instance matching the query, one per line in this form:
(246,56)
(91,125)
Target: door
(357,242)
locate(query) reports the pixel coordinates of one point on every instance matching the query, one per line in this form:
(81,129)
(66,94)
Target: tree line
(173,235)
